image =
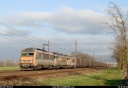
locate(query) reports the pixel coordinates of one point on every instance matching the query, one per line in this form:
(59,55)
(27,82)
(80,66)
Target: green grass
(108,77)
(9,68)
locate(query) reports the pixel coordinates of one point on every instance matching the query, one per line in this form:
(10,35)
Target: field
(9,68)
(77,77)
(109,77)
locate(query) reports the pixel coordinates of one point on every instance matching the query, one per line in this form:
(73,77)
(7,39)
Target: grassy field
(109,77)
(10,68)
(106,77)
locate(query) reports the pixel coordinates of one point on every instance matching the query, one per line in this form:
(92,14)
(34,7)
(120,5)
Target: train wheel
(39,67)
(32,68)
(74,67)
(69,67)
(53,67)
(35,68)
(21,69)
(57,66)
(50,67)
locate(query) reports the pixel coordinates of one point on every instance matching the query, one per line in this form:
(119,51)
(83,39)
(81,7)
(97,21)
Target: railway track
(16,75)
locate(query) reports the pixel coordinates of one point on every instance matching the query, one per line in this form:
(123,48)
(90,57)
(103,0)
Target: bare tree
(8,62)
(117,23)
(118,54)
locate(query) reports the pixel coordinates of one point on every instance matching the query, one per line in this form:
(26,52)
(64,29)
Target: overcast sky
(31,23)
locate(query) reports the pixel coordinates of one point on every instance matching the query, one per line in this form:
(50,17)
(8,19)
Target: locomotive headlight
(26,60)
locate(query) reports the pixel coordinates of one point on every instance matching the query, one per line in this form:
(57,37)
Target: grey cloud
(65,19)
(7,30)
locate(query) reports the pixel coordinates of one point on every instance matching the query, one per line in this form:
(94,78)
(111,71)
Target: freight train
(37,59)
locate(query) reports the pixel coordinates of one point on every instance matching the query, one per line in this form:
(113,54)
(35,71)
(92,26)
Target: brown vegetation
(117,23)
(8,62)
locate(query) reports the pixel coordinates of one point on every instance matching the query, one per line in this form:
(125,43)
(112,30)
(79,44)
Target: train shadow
(107,82)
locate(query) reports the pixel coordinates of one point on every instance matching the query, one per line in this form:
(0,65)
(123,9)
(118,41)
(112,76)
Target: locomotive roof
(32,49)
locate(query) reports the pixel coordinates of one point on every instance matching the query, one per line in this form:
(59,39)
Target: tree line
(8,62)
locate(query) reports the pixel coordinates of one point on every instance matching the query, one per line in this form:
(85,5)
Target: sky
(32,23)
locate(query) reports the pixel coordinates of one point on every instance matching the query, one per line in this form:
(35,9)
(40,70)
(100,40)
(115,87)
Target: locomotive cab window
(55,57)
(24,53)
(31,54)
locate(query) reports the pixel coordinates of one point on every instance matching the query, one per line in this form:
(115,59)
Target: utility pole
(93,55)
(75,48)
(49,53)
(48,46)
(43,46)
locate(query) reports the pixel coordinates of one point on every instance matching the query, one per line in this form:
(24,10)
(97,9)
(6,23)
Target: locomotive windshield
(27,53)
(24,53)
(31,53)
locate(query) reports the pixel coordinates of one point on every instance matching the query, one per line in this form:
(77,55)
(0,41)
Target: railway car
(62,61)
(72,63)
(66,61)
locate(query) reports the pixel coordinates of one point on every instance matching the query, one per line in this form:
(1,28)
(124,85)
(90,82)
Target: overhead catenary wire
(31,40)
(18,32)
(24,35)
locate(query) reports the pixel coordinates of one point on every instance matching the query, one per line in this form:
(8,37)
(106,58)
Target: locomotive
(37,59)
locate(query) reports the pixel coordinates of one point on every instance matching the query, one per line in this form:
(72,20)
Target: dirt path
(19,75)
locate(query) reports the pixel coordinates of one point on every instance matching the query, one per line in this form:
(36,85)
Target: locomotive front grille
(26,60)
(26,65)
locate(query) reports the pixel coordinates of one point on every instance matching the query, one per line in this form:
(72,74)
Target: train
(38,59)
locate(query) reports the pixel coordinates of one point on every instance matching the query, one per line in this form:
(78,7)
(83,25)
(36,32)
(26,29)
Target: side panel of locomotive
(72,62)
(56,61)
(62,61)
(42,59)
(46,59)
